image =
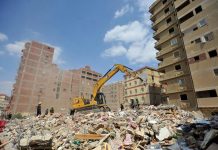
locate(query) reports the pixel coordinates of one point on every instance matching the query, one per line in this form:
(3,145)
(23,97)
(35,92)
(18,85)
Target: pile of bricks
(149,127)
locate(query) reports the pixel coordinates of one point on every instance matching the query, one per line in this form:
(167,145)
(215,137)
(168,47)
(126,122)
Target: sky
(98,33)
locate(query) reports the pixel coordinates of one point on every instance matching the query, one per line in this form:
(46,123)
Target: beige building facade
(198,23)
(146,92)
(186,32)
(114,94)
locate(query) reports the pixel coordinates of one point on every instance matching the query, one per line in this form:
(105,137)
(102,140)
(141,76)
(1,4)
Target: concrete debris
(150,127)
(164,133)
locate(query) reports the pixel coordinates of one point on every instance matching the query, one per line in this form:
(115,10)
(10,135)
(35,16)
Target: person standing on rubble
(46,111)
(132,104)
(121,107)
(38,109)
(51,110)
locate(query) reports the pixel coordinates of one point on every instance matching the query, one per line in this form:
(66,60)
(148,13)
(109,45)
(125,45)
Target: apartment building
(85,78)
(31,77)
(57,92)
(172,55)
(146,92)
(114,93)
(198,23)
(186,32)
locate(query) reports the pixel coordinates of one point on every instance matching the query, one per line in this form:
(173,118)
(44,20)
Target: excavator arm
(80,103)
(110,74)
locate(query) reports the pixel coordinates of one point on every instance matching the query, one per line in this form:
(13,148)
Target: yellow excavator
(97,100)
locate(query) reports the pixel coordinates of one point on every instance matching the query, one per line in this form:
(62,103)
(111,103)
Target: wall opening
(183,97)
(206,94)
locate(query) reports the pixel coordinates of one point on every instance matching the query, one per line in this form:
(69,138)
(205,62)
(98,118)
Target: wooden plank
(89,136)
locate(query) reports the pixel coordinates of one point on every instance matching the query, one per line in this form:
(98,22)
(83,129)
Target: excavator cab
(100,98)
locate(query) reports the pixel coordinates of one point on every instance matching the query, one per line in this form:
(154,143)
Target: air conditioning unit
(203,40)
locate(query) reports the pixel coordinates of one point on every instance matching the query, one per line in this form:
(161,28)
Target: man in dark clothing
(51,110)
(72,111)
(132,104)
(121,107)
(38,109)
(46,111)
(9,116)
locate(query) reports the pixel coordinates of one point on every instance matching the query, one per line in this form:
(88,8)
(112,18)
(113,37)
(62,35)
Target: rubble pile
(150,127)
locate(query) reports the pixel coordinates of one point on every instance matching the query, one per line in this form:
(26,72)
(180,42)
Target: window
(130,84)
(206,94)
(196,28)
(136,91)
(198,40)
(142,89)
(198,9)
(209,36)
(212,53)
(173,42)
(166,10)
(171,30)
(83,72)
(135,82)
(202,23)
(183,97)
(196,58)
(186,17)
(178,67)
(216,71)
(176,54)
(152,77)
(130,92)
(83,76)
(168,20)
(183,5)
(89,73)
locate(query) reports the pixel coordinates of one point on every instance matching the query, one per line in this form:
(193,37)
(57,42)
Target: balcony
(170,48)
(160,8)
(158,54)
(170,62)
(178,89)
(209,102)
(171,75)
(154,4)
(166,38)
(160,64)
(162,18)
(164,27)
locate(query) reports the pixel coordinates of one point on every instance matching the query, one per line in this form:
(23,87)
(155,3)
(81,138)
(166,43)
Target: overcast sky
(98,33)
